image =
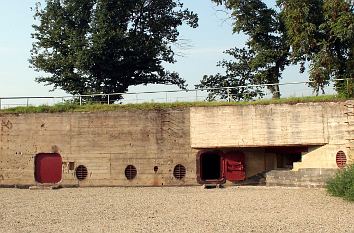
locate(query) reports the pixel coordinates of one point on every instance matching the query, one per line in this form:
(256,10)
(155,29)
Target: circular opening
(341,159)
(179,172)
(130,172)
(156,168)
(81,172)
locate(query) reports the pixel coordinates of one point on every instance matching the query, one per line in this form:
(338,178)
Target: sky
(205,48)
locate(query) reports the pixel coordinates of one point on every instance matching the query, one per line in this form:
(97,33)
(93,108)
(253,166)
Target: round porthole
(130,172)
(179,172)
(81,172)
(341,159)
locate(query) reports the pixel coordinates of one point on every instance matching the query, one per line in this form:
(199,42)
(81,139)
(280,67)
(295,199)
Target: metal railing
(289,89)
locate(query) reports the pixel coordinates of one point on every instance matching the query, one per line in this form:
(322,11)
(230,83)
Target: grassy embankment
(72,107)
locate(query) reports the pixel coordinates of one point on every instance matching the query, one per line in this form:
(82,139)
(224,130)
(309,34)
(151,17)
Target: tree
(239,75)
(267,46)
(322,32)
(318,32)
(105,46)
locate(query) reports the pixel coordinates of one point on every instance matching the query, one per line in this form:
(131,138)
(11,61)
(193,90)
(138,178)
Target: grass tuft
(73,107)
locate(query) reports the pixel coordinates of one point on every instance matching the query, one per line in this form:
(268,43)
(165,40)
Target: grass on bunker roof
(75,107)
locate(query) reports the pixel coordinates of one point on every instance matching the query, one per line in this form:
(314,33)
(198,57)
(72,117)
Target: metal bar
(228,95)
(157,92)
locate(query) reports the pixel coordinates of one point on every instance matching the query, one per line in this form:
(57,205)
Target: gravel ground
(180,209)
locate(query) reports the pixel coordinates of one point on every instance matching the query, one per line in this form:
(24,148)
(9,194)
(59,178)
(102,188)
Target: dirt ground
(180,209)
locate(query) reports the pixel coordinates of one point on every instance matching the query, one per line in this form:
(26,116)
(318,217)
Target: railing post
(228,95)
(27,102)
(166,98)
(80,99)
(0,104)
(196,95)
(108,99)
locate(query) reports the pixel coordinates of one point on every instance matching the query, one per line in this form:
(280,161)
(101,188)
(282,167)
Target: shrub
(342,185)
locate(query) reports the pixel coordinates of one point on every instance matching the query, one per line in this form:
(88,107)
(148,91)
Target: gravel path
(181,209)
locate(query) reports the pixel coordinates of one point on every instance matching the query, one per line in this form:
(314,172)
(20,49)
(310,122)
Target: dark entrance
(48,168)
(210,166)
(287,156)
(215,167)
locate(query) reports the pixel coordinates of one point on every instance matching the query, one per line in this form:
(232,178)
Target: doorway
(210,168)
(217,167)
(48,168)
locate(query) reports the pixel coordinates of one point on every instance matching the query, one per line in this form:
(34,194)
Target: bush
(342,185)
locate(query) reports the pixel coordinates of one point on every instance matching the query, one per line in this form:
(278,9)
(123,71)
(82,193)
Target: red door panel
(48,168)
(234,166)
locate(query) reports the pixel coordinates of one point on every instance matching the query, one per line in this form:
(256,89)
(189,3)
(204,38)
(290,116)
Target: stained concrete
(106,142)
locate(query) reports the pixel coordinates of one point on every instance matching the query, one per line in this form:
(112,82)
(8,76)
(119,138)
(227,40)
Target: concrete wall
(106,142)
(268,125)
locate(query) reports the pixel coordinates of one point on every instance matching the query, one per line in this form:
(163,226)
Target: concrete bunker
(48,168)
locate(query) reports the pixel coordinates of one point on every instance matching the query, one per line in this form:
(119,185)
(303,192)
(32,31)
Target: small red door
(48,168)
(234,168)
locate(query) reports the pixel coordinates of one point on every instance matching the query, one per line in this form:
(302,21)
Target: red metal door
(234,166)
(48,168)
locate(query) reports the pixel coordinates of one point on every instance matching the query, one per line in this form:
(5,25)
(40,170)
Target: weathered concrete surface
(310,177)
(321,157)
(182,209)
(105,142)
(268,125)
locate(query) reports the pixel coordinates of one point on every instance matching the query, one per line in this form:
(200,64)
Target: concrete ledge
(307,177)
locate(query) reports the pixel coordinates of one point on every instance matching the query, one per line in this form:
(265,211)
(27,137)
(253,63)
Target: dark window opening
(210,166)
(156,168)
(71,166)
(287,160)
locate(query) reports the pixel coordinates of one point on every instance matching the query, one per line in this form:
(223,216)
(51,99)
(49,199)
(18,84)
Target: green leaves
(321,32)
(239,75)
(315,32)
(266,52)
(342,185)
(105,46)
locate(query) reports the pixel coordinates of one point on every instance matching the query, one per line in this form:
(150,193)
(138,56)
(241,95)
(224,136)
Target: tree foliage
(322,33)
(266,52)
(105,46)
(317,32)
(242,88)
